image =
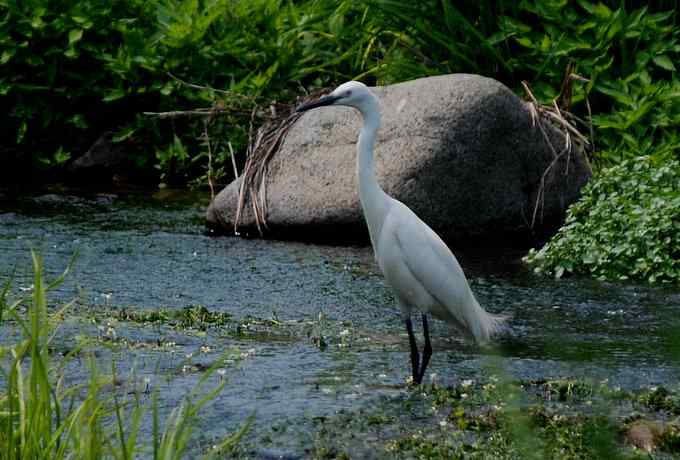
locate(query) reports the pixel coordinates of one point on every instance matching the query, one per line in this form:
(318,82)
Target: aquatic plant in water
(41,417)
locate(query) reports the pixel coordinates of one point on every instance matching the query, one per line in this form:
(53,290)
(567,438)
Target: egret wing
(432,263)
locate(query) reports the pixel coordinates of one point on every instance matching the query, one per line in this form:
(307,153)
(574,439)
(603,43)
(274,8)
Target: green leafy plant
(72,70)
(627,54)
(625,226)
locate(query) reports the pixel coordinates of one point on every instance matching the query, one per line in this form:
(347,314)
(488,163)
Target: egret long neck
(373,199)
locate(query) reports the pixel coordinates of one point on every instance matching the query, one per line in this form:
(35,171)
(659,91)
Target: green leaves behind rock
(625,226)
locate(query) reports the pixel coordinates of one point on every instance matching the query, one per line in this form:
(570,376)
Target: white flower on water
(247,353)
(466,383)
(344,332)
(205,349)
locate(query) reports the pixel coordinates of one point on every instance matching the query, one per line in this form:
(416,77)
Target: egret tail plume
(486,325)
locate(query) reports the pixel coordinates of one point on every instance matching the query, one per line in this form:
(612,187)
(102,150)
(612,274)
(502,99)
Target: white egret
(416,263)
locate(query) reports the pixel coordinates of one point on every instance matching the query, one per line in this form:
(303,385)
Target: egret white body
(418,266)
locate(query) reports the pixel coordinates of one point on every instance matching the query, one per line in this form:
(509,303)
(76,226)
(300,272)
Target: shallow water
(149,252)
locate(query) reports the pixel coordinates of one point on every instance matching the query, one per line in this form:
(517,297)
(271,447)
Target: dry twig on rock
(565,122)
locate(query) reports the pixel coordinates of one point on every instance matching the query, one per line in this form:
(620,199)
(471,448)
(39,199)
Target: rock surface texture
(460,150)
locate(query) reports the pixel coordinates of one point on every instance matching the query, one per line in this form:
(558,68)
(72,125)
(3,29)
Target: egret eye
(348,93)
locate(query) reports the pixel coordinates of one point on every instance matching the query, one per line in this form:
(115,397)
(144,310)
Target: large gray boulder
(460,150)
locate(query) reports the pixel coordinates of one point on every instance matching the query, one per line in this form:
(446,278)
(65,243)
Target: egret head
(351,94)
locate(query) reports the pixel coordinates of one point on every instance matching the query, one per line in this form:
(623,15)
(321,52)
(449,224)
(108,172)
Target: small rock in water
(644,434)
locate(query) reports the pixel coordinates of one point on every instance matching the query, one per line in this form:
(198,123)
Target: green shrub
(65,68)
(626,53)
(72,70)
(625,226)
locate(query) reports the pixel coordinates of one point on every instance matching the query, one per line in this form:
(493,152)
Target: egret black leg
(415,356)
(427,350)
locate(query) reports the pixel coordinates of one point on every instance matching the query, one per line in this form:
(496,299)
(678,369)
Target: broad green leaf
(524,41)
(78,120)
(71,53)
(74,36)
(124,134)
(664,62)
(5,87)
(615,27)
(61,156)
(600,10)
(167,89)
(21,132)
(114,95)
(79,19)
(509,24)
(37,22)
(7,55)
(617,94)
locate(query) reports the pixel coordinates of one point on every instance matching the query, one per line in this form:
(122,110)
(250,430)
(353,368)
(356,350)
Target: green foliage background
(71,70)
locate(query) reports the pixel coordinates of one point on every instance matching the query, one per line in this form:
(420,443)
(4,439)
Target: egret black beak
(323,100)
